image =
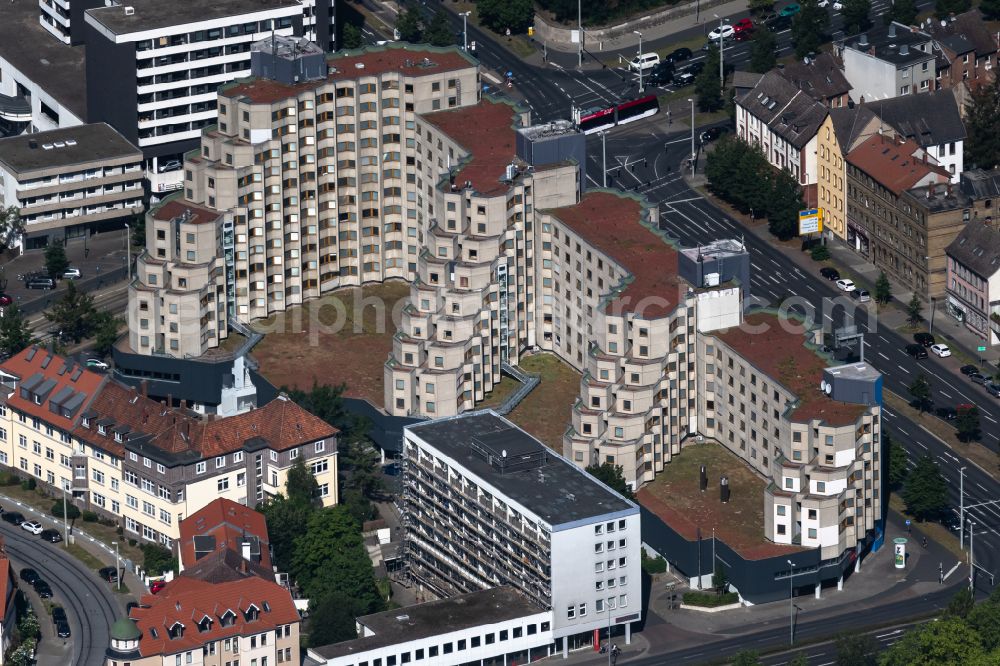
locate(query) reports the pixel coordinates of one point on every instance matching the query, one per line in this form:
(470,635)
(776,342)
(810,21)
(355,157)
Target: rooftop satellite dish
(504,453)
(829,389)
(822,386)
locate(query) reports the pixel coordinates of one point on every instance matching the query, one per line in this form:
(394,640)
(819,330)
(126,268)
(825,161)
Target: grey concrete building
(889,61)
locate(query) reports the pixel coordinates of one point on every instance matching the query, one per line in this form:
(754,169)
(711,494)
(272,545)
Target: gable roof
(187,601)
(894,164)
(930,119)
(49,387)
(787,111)
(977,247)
(963,33)
(225,565)
(851,125)
(821,78)
(226,523)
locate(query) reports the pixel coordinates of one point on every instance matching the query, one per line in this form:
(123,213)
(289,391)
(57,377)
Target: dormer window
(252,613)
(85,423)
(176,630)
(100,429)
(205,624)
(118,437)
(227,619)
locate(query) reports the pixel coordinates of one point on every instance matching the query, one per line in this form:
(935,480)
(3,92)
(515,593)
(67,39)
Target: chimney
(703,479)
(930,190)
(724,489)
(904,49)
(144,386)
(863,39)
(892,29)
(246,550)
(183,404)
(170,401)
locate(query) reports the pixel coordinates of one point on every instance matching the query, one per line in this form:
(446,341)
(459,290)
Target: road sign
(810,221)
(982,349)
(907,522)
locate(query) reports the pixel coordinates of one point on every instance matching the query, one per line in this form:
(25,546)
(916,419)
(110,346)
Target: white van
(644,62)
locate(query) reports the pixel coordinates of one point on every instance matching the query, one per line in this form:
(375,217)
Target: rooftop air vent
(70,142)
(359,65)
(47,146)
(129,11)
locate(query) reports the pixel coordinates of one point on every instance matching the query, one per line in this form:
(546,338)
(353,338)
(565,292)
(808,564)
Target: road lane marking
(903,369)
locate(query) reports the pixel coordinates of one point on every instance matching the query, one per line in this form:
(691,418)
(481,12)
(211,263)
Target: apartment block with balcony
(142,462)
(63,19)
(485,505)
(70,182)
(812,431)
(153,69)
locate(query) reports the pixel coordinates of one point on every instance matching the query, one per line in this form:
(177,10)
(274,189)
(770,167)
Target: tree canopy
(925,491)
(983,131)
(707,85)
(763,50)
(902,11)
(408,25)
(897,462)
(920,390)
(11,227)
(967,423)
(883,289)
(809,28)
(947,642)
(350,38)
(74,315)
(439,32)
(611,476)
(56,262)
(14,332)
(514,15)
(856,15)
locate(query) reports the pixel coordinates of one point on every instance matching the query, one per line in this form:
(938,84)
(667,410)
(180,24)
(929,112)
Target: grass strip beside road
(82,554)
(934,531)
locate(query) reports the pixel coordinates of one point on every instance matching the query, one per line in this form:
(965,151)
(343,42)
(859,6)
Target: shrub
(652,565)
(9,479)
(89,517)
(132,542)
(820,253)
(708,600)
(157,559)
(28,484)
(71,510)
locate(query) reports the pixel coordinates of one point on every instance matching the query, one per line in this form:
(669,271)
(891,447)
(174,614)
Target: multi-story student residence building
(70,182)
(142,462)
(485,504)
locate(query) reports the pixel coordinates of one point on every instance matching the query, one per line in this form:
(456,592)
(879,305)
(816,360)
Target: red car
(5,300)
(157,585)
(742,29)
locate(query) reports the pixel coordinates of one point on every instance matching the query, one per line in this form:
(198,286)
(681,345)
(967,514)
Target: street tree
(408,25)
(856,15)
(331,619)
(856,650)
(967,423)
(351,37)
(897,462)
(883,289)
(14,332)
(439,32)
(746,658)
(800,659)
(503,15)
(67,510)
(990,9)
(56,262)
(925,491)
(947,642)
(707,86)
(612,476)
(809,28)
(981,112)
(961,604)
(915,310)
(920,391)
(985,619)
(944,8)
(105,330)
(11,227)
(73,314)
(753,181)
(764,50)
(721,164)
(785,204)
(902,11)
(286,520)
(301,486)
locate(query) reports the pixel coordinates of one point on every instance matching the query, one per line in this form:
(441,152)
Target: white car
(32,526)
(845,285)
(723,31)
(97,364)
(72,274)
(941,350)
(837,5)
(823,3)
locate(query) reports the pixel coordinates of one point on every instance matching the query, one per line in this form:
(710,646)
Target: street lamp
(722,76)
(128,250)
(604,155)
(118,574)
(961,508)
(791,606)
(636,32)
(972,557)
(465,31)
(579,25)
(691,102)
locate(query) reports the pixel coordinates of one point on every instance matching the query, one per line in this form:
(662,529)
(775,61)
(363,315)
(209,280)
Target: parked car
(837,5)
(976,377)
(5,300)
(941,350)
(644,61)
(969,369)
(724,31)
(29,576)
(684,79)
(711,134)
(790,10)
(72,274)
(780,23)
(43,589)
(97,364)
(14,517)
(32,526)
(109,574)
(992,389)
(40,283)
(743,25)
(696,67)
(861,295)
(59,614)
(661,76)
(845,284)
(830,273)
(946,413)
(62,630)
(52,536)
(925,339)
(683,53)
(157,585)
(916,351)
(169,165)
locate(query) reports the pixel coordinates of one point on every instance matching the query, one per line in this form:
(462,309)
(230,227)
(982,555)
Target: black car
(109,574)
(661,76)
(969,369)
(52,536)
(711,134)
(43,589)
(695,67)
(40,283)
(830,273)
(946,413)
(62,630)
(925,339)
(58,614)
(13,517)
(779,23)
(677,55)
(916,351)
(978,378)
(684,79)
(29,576)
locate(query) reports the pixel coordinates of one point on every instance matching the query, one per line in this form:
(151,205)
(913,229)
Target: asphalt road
(90,604)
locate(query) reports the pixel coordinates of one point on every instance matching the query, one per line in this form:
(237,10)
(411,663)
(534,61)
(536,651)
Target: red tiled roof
(86,382)
(894,165)
(177,207)
(486,130)
(125,406)
(375,61)
(228,522)
(7,587)
(188,600)
(780,353)
(611,223)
